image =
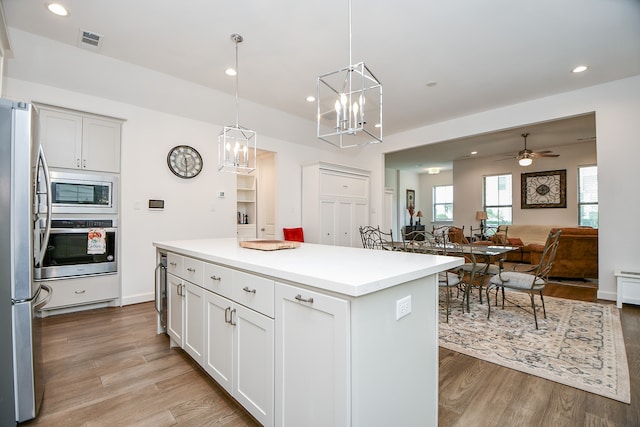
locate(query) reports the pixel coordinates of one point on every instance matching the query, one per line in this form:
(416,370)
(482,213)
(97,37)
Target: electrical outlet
(403,307)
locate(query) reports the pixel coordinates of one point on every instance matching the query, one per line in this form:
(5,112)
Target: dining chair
(448,279)
(373,238)
(531,281)
(294,234)
(416,241)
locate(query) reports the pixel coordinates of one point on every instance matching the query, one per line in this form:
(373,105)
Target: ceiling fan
(525,157)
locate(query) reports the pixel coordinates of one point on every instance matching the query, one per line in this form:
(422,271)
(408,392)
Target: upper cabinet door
(73,140)
(100,145)
(61,138)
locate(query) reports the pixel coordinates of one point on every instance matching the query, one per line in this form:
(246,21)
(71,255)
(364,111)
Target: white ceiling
(482,55)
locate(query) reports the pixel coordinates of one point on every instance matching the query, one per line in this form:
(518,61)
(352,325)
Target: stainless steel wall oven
(80,247)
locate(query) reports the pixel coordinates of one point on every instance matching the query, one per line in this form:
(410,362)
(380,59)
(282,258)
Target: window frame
(435,203)
(487,208)
(581,204)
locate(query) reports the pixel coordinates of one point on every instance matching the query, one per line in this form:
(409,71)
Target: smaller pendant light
(236,144)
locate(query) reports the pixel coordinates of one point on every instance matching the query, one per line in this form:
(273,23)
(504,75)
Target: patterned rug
(580,344)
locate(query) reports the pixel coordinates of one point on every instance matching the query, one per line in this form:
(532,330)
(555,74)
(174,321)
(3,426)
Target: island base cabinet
(175,308)
(240,354)
(194,321)
(312,359)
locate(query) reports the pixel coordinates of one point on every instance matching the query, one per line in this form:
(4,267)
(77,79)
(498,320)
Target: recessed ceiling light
(431,83)
(474,153)
(311,98)
(57,9)
(580,69)
(378,125)
(230,72)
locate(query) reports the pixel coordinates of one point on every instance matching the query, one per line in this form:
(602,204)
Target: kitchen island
(315,336)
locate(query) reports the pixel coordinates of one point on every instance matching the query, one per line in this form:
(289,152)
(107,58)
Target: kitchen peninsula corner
(311,336)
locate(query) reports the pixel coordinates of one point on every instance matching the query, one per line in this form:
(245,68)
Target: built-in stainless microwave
(78,192)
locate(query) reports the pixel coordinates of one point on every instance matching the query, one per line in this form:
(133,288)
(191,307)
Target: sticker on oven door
(97,242)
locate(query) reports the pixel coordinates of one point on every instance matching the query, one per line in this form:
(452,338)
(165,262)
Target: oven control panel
(82,223)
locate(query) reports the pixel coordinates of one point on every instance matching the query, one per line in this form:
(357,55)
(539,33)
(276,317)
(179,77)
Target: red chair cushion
(293,234)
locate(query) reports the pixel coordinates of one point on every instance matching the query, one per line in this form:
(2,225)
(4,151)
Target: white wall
(467,180)
(617,108)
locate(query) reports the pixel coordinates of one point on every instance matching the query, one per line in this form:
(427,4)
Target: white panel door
(100,145)
(194,321)
(219,340)
(253,363)
(175,309)
(312,359)
(327,222)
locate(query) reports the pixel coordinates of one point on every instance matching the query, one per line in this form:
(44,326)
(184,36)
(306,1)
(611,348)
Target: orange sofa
(577,254)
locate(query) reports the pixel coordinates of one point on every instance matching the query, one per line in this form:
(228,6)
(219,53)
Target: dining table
(478,260)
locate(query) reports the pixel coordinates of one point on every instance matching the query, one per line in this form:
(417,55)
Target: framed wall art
(544,189)
(411,198)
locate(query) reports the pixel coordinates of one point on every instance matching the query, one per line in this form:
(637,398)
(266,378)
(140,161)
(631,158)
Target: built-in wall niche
(246,206)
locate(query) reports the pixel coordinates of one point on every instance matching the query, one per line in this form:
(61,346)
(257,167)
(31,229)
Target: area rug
(580,344)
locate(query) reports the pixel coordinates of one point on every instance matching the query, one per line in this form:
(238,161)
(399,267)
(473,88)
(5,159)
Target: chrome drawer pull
(192,270)
(251,291)
(309,300)
(80,292)
(226,315)
(216,278)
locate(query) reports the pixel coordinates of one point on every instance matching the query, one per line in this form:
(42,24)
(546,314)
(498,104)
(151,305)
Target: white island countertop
(349,271)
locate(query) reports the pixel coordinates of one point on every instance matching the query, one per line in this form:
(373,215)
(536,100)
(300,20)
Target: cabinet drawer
(192,270)
(343,185)
(218,279)
(174,264)
(82,291)
(253,292)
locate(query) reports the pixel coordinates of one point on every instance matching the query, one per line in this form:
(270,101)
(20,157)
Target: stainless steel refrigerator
(22,167)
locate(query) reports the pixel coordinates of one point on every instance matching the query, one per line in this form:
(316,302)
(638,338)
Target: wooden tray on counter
(269,245)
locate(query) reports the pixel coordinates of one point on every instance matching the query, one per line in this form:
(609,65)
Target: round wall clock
(184,161)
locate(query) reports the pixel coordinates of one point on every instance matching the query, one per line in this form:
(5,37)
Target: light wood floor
(107,367)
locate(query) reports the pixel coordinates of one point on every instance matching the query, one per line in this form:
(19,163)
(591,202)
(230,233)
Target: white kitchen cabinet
(76,140)
(175,310)
(239,354)
(335,348)
(340,222)
(103,288)
(194,325)
(335,203)
(312,358)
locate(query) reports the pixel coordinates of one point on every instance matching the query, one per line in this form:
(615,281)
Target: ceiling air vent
(90,39)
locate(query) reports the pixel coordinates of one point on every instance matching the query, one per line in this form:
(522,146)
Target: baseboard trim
(136,299)
(605,295)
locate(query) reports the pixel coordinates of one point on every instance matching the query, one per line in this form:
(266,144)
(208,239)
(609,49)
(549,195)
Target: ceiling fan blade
(539,154)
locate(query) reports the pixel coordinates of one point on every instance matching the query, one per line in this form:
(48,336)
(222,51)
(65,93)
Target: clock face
(184,161)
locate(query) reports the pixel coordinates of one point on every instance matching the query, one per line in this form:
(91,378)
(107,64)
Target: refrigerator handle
(45,301)
(47,231)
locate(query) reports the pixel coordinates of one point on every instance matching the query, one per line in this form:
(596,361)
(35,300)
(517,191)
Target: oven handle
(80,230)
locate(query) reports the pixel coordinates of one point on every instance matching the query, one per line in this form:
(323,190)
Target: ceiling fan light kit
(525,157)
